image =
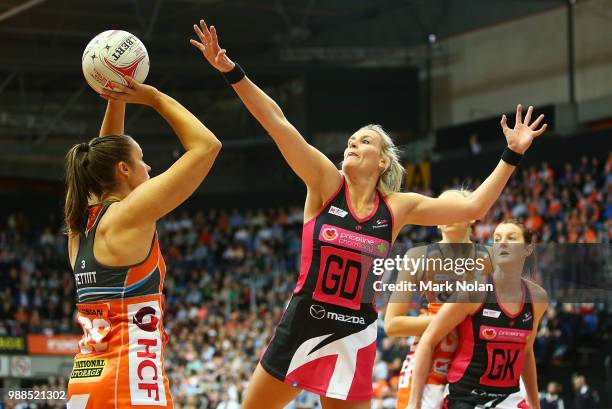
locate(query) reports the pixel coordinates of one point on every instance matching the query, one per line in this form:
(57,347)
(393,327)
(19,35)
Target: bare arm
(161,194)
(113,118)
(449,316)
(413,208)
(397,323)
(529,372)
(313,167)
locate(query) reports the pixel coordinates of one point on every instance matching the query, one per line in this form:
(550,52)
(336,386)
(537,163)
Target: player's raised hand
(209,46)
(520,137)
(134,93)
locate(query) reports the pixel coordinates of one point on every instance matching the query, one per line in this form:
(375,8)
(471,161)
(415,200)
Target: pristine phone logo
(489,333)
(330,234)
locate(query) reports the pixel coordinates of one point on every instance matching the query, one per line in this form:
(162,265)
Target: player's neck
(362,191)
(509,282)
(456,238)
(113,197)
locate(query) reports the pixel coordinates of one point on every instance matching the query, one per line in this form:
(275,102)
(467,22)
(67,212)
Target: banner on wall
(21,367)
(12,345)
(5,366)
(417,176)
(53,345)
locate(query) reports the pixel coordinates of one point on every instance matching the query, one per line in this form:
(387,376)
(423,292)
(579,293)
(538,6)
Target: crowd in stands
(231,272)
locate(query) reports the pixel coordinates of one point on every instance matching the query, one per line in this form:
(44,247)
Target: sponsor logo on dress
(139,319)
(440,365)
(491,313)
(351,319)
(336,211)
(489,333)
(145,354)
(500,334)
(329,233)
(527,317)
(492,395)
(317,311)
(380,223)
(354,241)
(87,368)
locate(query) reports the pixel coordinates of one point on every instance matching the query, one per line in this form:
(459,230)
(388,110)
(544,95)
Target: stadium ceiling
(43,97)
(49,35)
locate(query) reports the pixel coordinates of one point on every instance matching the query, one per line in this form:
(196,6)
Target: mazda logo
(317,311)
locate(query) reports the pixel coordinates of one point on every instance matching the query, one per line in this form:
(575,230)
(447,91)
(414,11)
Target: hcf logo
(146,381)
(150,326)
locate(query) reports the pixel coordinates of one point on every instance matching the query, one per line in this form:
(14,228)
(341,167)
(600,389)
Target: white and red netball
(111,55)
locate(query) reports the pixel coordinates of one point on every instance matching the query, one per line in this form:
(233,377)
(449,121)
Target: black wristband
(511,157)
(234,75)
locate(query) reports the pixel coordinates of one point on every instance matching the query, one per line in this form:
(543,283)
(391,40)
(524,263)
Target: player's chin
(505,258)
(454,227)
(350,162)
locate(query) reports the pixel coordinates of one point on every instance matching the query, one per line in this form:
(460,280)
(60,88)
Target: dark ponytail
(90,172)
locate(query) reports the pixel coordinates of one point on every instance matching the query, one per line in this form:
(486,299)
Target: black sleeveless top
(489,359)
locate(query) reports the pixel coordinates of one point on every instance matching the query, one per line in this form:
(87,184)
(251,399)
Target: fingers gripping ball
(110,56)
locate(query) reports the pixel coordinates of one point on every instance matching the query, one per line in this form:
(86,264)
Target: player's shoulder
(403,201)
(538,293)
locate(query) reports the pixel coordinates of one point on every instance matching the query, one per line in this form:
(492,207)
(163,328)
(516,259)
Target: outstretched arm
(113,118)
(413,208)
(312,166)
(158,196)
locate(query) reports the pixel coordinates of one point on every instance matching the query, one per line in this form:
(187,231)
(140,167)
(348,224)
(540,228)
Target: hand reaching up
(209,46)
(522,135)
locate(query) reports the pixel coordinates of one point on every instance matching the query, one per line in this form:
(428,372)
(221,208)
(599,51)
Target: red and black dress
(326,340)
(487,366)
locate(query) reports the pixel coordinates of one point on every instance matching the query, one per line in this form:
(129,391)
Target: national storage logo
(87,368)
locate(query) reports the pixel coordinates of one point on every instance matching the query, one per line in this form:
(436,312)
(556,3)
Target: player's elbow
(475,210)
(215,147)
(429,340)
(210,150)
(390,327)
(427,344)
